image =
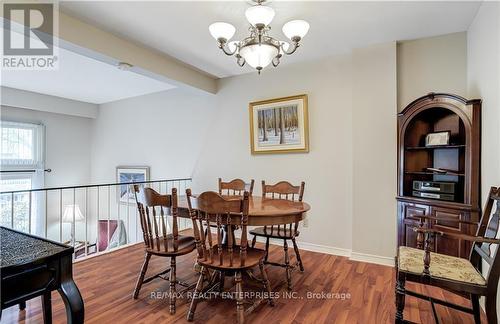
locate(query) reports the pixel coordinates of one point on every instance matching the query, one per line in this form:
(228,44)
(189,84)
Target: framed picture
(127,174)
(438,138)
(279,125)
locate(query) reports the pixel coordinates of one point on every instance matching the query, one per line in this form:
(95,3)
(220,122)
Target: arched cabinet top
(435,113)
(459,105)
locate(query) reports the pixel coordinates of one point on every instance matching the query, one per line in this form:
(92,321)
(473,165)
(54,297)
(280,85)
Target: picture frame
(126,174)
(279,125)
(437,139)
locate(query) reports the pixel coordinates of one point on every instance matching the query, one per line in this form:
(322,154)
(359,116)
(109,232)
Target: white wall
(432,64)
(483,73)
(67,144)
(374,133)
(164,131)
(483,81)
(326,169)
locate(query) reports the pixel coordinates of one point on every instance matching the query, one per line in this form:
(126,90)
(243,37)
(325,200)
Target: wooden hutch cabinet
(454,165)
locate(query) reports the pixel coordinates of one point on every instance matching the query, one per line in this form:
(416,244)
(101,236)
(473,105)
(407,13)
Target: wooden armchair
(235,187)
(157,240)
(461,276)
(231,258)
(281,190)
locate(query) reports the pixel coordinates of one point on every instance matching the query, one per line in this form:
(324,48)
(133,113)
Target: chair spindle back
(488,228)
(283,190)
(154,209)
(211,210)
(235,187)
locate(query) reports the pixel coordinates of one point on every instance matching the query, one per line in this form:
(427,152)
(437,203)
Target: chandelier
(259,49)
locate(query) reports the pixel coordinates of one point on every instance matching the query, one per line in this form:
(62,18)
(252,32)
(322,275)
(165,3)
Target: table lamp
(69,211)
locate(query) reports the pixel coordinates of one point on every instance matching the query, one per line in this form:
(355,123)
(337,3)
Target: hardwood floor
(107,281)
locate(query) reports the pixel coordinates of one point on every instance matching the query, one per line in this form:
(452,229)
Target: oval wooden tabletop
(265,211)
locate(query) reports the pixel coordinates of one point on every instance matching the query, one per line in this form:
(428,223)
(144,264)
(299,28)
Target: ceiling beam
(88,40)
(87,36)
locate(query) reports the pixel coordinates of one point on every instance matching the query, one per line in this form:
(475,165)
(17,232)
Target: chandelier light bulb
(222,31)
(259,56)
(296,29)
(259,15)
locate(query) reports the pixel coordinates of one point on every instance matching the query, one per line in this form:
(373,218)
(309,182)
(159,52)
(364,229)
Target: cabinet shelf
(435,173)
(419,148)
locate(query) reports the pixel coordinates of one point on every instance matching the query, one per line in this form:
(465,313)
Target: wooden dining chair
(281,190)
(458,275)
(230,258)
(235,187)
(159,239)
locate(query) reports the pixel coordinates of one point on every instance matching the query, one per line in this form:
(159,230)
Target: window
(22,146)
(17,217)
(22,163)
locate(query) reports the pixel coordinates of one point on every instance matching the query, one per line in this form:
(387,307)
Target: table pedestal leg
(70,293)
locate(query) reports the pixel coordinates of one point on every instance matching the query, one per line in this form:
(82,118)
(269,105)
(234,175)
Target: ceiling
(180,29)
(81,78)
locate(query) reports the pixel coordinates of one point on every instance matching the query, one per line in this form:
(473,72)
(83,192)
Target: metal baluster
(86,221)
(97,223)
(46,213)
(109,211)
(136,225)
(128,214)
(73,227)
(60,216)
(29,212)
(12,210)
(118,213)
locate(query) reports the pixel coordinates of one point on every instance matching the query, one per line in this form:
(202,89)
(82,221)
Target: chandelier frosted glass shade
(222,30)
(296,28)
(259,49)
(259,15)
(259,56)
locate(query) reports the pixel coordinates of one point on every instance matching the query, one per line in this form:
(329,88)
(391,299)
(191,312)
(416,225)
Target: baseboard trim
(354,256)
(324,249)
(370,258)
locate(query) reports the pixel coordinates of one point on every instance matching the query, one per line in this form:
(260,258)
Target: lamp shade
(258,56)
(68,214)
(259,14)
(221,30)
(296,28)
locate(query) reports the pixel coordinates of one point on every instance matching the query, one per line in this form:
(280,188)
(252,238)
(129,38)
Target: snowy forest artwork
(279,125)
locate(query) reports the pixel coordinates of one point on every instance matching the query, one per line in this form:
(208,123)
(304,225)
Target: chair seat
(186,244)
(441,266)
(254,256)
(282,233)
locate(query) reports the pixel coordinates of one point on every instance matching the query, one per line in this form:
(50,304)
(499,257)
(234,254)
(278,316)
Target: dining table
(262,211)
